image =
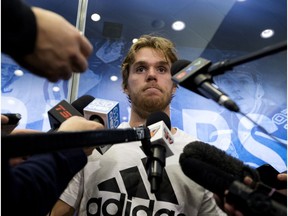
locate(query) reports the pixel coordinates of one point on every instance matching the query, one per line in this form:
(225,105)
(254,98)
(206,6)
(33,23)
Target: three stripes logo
(135,189)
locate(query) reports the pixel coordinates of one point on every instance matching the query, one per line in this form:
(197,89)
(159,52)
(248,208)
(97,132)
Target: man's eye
(140,69)
(162,69)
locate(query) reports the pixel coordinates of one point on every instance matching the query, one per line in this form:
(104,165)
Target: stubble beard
(145,105)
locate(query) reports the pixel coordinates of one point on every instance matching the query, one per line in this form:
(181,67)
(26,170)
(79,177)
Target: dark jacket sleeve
(18,28)
(33,187)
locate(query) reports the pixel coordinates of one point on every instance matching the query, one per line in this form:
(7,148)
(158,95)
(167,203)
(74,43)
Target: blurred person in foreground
(33,185)
(232,210)
(42,41)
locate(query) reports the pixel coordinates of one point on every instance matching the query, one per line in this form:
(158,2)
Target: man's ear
(125,90)
(174,89)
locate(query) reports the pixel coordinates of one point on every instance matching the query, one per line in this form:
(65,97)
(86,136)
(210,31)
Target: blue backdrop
(258,87)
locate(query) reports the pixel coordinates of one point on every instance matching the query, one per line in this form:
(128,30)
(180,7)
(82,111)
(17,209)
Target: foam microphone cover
(157,117)
(82,102)
(219,159)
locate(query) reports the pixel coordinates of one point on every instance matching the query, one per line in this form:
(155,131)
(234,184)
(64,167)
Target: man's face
(241,88)
(150,87)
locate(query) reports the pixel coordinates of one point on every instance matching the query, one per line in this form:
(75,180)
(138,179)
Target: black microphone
(220,159)
(27,144)
(63,110)
(256,202)
(82,102)
(194,76)
(159,125)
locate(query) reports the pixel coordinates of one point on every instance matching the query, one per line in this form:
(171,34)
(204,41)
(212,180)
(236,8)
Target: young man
(116,183)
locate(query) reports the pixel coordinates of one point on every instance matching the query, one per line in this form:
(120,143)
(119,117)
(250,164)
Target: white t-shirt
(116,183)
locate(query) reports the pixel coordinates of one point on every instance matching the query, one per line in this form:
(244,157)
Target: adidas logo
(135,188)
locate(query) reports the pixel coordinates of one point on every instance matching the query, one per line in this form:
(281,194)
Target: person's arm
(35,185)
(42,41)
(18,28)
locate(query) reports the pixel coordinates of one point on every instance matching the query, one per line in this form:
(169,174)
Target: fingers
(231,211)
(86,47)
(4,119)
(282,177)
(79,63)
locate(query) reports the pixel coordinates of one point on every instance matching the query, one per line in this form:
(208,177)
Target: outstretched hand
(60,48)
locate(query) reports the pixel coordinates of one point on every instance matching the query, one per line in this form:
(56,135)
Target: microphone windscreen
(179,65)
(82,102)
(206,175)
(219,159)
(157,117)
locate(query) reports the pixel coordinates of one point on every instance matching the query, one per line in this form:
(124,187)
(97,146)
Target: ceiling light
(18,73)
(95,17)
(178,26)
(55,89)
(134,40)
(267,33)
(113,78)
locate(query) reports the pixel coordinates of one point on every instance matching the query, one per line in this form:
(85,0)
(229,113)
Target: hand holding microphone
(78,123)
(221,160)
(63,110)
(219,172)
(9,121)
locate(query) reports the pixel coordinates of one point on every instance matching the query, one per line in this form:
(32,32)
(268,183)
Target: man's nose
(151,73)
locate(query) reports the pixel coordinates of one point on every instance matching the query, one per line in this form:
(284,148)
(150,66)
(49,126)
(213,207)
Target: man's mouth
(152,90)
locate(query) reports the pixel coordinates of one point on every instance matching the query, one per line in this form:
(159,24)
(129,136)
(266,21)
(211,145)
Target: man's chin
(153,104)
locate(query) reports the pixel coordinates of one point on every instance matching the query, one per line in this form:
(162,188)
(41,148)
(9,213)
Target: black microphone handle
(29,144)
(228,64)
(215,94)
(156,155)
(156,161)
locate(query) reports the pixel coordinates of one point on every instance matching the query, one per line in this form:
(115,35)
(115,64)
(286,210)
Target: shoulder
(182,135)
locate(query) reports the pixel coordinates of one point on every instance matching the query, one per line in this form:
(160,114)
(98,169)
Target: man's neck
(136,120)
